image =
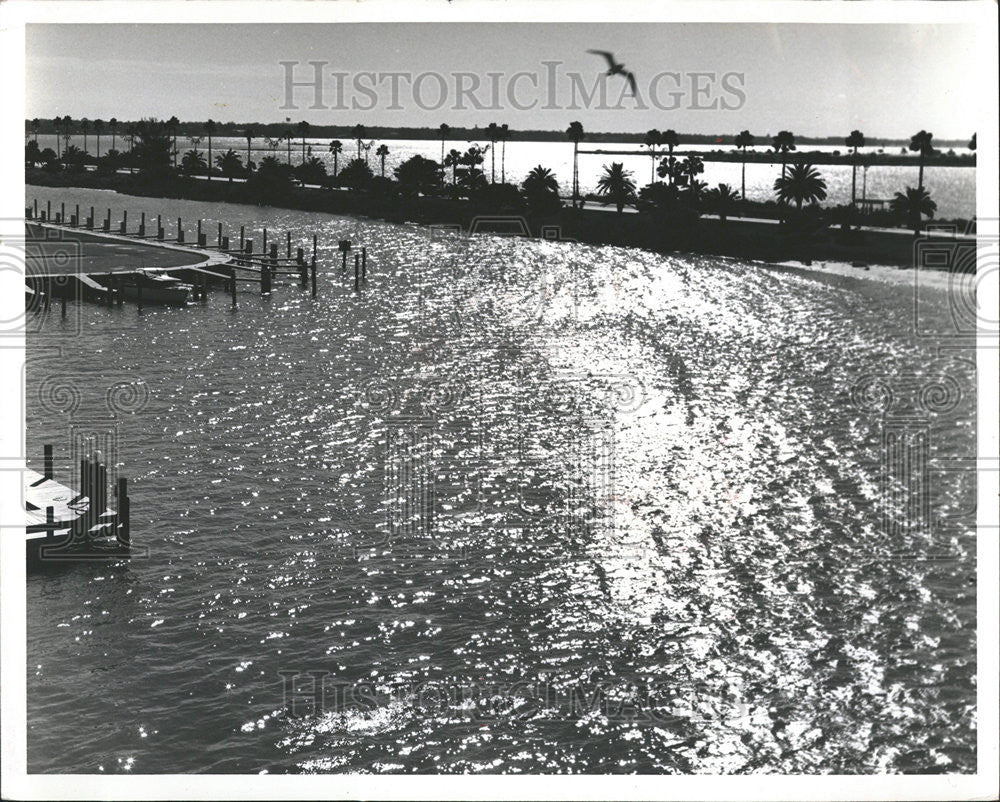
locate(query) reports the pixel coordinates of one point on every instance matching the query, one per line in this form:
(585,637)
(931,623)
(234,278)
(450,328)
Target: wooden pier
(71,525)
(148,266)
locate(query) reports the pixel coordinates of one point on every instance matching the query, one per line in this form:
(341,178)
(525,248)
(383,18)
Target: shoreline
(735,238)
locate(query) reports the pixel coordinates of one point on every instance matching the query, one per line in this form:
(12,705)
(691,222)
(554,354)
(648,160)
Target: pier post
(76,217)
(48,461)
(180,231)
(124,532)
(300,260)
(224,245)
(27,212)
(232,284)
(263,246)
(36,208)
(314,246)
(364,263)
(288,244)
(48,210)
(107,222)
(124,225)
(248,252)
(62,300)
(62,212)
(201,237)
(142,225)
(265,279)
(90,220)
(300,256)
(159,228)
(313,276)
(274,252)
(357,271)
(218,242)
(241,237)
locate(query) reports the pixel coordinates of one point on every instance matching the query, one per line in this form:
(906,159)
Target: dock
(82,258)
(63,524)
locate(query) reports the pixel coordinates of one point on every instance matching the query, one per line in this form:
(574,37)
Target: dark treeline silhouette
(669,211)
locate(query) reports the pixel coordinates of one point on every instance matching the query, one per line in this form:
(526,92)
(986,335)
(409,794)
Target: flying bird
(614,68)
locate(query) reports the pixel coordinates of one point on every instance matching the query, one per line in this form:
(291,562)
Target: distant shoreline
(477,133)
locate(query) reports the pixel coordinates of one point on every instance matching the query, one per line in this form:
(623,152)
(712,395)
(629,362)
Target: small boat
(156,288)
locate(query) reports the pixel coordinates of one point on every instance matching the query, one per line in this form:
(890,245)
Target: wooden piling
(142,225)
(180,231)
(265,279)
(91,220)
(62,211)
(364,263)
(248,252)
(48,210)
(36,208)
(224,244)
(313,272)
(232,284)
(357,271)
(124,226)
(201,236)
(76,217)
(106,225)
(288,244)
(218,241)
(241,237)
(47,450)
(124,513)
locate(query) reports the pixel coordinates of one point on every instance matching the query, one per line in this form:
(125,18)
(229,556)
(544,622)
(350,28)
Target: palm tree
(782,143)
(85,127)
(113,128)
(98,130)
(493,134)
(540,180)
(722,199)
(854,141)
(921,143)
(691,167)
(249,133)
(382,152)
(57,123)
(209,128)
(358,133)
(575,133)
(744,139)
(193,162)
(670,140)
(288,136)
(504,136)
(912,206)
(616,186)
(131,131)
(367,147)
(651,141)
(452,160)
(172,125)
(443,129)
(36,124)
(336,148)
(801,183)
(229,164)
(303,129)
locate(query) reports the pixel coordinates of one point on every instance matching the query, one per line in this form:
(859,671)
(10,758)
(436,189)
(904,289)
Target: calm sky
(813,79)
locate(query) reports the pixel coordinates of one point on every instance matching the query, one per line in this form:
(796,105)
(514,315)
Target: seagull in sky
(614,68)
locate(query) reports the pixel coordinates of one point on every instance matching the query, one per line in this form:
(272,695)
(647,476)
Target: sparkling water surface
(494,493)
